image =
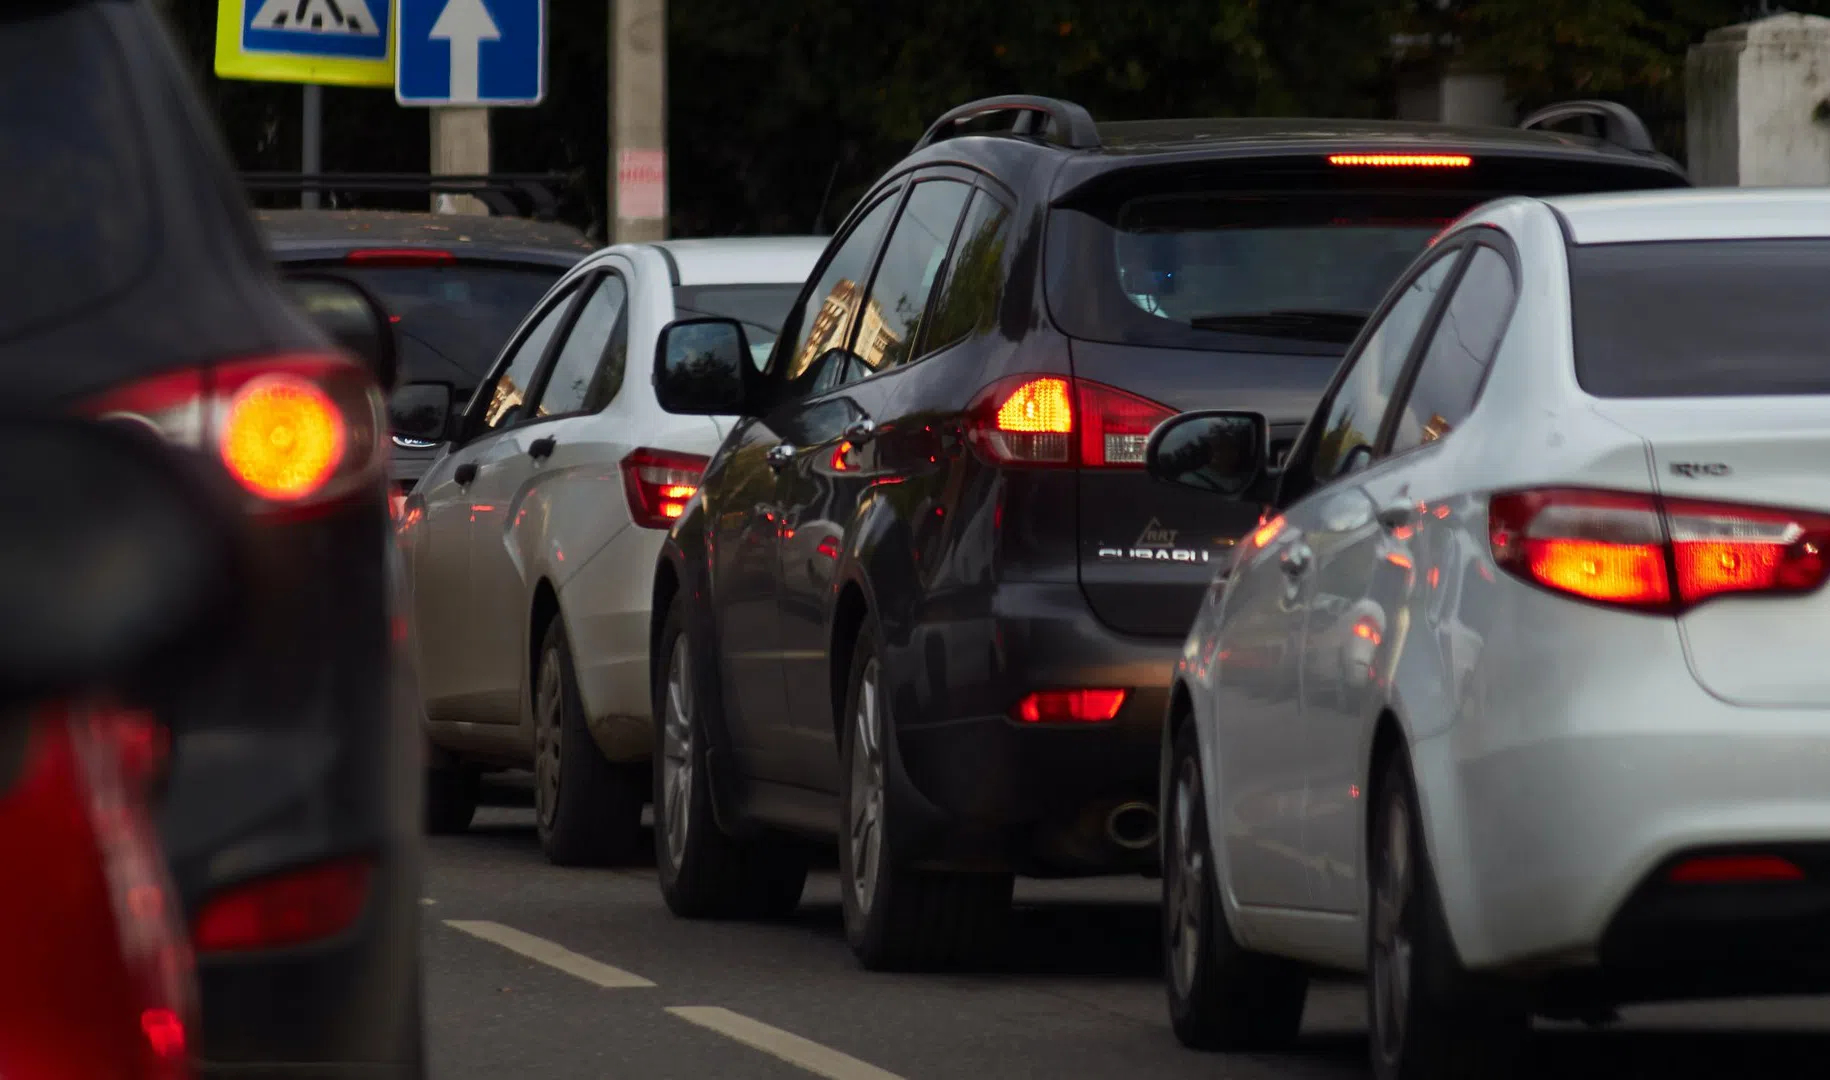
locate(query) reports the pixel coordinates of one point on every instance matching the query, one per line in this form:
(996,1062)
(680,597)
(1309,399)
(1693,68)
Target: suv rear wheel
(897,917)
(587,810)
(704,872)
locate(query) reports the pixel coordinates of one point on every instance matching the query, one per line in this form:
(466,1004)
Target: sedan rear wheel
(587,809)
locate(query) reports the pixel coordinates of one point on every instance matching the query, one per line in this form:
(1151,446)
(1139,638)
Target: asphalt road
(547,974)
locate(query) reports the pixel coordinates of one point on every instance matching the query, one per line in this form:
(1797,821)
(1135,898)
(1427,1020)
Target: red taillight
(285,910)
(1035,420)
(658,484)
(1069,706)
(1401,161)
(1656,554)
(290,430)
(164,1031)
(1735,870)
(400,257)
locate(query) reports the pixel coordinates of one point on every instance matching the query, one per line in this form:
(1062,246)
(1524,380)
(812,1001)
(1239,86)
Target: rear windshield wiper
(1317,324)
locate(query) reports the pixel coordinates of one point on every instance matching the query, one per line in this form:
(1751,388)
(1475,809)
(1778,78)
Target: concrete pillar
(638,120)
(460,147)
(1458,97)
(1758,108)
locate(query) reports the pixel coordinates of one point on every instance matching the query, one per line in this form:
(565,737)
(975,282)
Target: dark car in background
(455,285)
(138,292)
(927,600)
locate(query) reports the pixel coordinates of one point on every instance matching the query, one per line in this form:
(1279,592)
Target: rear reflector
(164,1031)
(400,257)
(1735,869)
(285,910)
(1034,421)
(658,484)
(1401,161)
(1058,706)
(1667,555)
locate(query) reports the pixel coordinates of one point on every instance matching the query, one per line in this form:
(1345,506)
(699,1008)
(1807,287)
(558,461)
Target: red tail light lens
(1069,706)
(1035,421)
(1735,870)
(287,909)
(659,484)
(400,257)
(1657,554)
(292,430)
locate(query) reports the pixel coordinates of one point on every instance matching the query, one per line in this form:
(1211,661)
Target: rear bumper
(985,786)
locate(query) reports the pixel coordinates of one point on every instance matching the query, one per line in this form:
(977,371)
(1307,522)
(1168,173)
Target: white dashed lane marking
(787,1046)
(554,956)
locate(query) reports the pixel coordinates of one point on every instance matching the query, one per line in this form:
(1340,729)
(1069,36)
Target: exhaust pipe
(1132,826)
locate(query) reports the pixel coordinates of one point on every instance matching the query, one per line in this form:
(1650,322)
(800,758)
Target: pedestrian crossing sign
(334,42)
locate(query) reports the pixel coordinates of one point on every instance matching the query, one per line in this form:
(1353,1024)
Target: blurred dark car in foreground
(138,290)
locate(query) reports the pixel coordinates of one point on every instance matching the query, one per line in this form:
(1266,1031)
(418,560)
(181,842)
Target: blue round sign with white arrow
(471,52)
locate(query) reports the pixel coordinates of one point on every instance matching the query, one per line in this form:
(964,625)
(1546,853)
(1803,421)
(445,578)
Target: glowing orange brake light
(1039,406)
(1401,161)
(282,437)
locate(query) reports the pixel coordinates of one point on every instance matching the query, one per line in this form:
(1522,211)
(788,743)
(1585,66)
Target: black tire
(704,873)
(1221,997)
(452,793)
(898,918)
(1453,1025)
(587,810)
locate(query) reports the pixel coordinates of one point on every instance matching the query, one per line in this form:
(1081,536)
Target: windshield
(761,309)
(452,321)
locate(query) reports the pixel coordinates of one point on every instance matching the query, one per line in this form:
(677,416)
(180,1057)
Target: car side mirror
(1216,451)
(700,367)
(352,317)
(421,412)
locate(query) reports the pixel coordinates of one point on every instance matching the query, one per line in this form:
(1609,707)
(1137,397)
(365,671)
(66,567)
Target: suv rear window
(1712,318)
(452,321)
(1263,255)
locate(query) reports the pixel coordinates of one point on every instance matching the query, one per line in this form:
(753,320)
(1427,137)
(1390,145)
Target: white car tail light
(659,484)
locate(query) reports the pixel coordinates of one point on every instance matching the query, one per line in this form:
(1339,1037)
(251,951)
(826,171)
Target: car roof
(313,234)
(1695,214)
(751,260)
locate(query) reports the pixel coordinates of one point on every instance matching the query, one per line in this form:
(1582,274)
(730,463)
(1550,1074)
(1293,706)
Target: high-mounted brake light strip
(1401,161)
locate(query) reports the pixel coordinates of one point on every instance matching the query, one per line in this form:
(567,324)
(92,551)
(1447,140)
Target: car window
(587,372)
(834,298)
(760,308)
(968,302)
(1359,404)
(1456,362)
(452,320)
(891,321)
(505,398)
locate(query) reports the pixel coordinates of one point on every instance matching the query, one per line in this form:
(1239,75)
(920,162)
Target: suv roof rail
(1073,125)
(1619,124)
(530,195)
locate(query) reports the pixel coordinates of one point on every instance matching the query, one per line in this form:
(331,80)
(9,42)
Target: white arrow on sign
(465,24)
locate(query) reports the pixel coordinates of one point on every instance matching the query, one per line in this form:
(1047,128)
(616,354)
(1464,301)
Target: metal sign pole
(311,152)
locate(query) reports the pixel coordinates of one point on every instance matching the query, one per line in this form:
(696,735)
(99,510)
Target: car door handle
(542,448)
(464,474)
(1398,515)
(780,456)
(1295,560)
(859,432)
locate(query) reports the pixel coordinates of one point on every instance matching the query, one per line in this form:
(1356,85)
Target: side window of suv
(1455,366)
(890,323)
(504,400)
(1359,404)
(968,302)
(835,298)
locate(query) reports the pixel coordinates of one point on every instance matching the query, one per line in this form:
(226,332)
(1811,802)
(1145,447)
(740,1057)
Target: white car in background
(531,539)
(1546,724)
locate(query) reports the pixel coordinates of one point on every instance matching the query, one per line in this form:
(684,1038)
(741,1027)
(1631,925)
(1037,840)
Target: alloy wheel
(1392,950)
(549,714)
(677,753)
(866,809)
(1188,885)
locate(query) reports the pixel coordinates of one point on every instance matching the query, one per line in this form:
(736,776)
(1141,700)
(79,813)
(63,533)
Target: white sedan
(1518,700)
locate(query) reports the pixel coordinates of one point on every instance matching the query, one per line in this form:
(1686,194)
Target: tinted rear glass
(1702,318)
(74,221)
(452,321)
(1265,256)
(761,308)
